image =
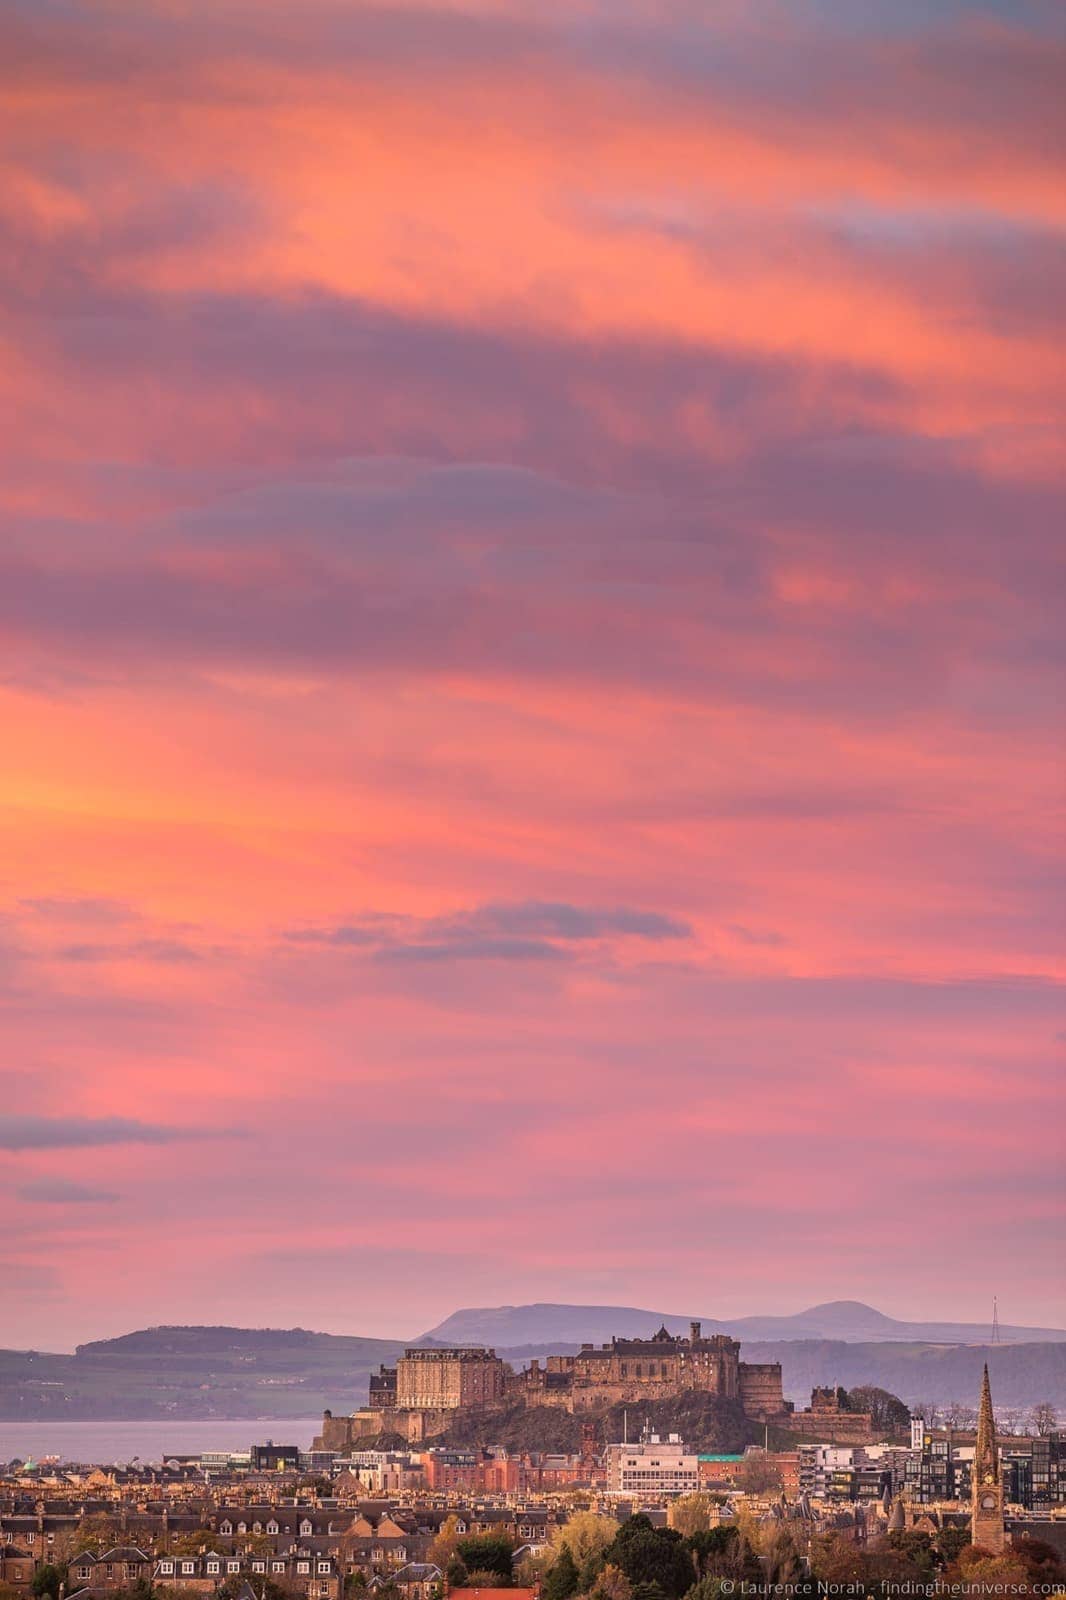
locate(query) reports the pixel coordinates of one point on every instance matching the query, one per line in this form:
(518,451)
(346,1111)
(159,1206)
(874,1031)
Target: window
(212,1566)
(305,1526)
(225,1527)
(303,1566)
(166,1566)
(272,1527)
(278,1566)
(188,1566)
(233,1566)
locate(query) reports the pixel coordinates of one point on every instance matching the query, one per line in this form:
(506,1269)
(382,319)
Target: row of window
(257,1527)
(187,1568)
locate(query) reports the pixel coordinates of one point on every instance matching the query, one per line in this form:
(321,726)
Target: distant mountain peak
(541,1323)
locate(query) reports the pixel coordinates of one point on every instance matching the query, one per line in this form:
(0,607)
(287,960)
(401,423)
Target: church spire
(986,1456)
(987,1529)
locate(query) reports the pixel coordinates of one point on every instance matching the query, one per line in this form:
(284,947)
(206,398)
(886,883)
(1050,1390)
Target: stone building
(445,1380)
(829,1421)
(659,1368)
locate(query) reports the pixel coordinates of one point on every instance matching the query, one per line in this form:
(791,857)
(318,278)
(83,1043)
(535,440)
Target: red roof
(492,1594)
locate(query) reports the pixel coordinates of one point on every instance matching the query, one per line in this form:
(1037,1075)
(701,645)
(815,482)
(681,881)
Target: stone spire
(986,1456)
(987,1529)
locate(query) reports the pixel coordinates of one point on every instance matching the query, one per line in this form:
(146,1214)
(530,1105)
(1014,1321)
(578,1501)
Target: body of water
(106,1443)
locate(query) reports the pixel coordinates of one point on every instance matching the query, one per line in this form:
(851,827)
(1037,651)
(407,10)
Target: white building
(653,1467)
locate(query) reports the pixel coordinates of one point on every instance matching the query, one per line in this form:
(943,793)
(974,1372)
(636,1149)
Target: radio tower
(995,1320)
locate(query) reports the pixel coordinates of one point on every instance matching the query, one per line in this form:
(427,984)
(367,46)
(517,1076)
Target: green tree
(887,1411)
(950,1543)
(713,1550)
(48,1580)
(708,1589)
(650,1555)
(562,1579)
(456,1574)
(487,1552)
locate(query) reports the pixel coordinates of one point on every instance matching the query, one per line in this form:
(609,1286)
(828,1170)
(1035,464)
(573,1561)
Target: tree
(48,1580)
(904,1555)
(691,1513)
(887,1411)
(93,1534)
(487,1552)
(264,1587)
(713,1550)
(456,1575)
(650,1555)
(1042,1561)
(758,1474)
(835,1560)
(562,1578)
(188,1544)
(586,1534)
(529,1571)
(708,1589)
(612,1584)
(443,1547)
(1042,1418)
(950,1543)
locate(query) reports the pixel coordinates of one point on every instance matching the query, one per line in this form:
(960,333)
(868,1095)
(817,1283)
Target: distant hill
(272,1373)
(194,1372)
(847,1320)
(1022,1374)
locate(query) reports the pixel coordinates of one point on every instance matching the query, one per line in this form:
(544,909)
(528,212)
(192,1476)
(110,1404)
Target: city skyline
(530,661)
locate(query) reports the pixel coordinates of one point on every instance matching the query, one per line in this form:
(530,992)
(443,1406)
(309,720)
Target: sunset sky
(530,659)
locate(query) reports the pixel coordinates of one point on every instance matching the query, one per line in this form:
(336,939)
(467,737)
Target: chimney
(694,1329)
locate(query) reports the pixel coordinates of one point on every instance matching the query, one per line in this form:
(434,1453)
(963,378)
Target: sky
(529,667)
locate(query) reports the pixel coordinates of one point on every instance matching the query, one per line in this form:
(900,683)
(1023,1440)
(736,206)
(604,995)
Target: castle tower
(986,1521)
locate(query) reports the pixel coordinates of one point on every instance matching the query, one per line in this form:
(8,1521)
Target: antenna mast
(995,1319)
